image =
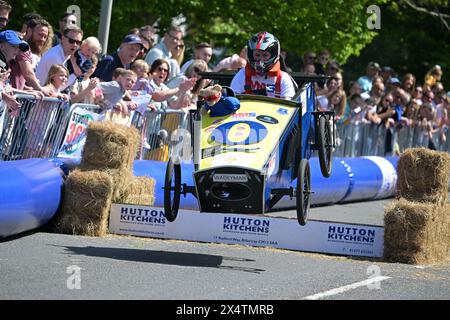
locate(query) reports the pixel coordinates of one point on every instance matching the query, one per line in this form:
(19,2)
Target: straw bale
(141,191)
(416,232)
(121,180)
(109,146)
(86,203)
(423,175)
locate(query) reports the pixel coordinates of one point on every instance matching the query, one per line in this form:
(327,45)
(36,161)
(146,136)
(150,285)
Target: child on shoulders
(81,61)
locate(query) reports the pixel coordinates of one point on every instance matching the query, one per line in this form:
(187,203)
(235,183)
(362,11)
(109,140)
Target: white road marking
(339,290)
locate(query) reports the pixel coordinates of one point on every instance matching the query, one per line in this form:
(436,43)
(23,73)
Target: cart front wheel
(172,190)
(303,191)
(325,146)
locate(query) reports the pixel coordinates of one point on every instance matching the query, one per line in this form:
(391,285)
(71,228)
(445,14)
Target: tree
(409,40)
(413,34)
(301,25)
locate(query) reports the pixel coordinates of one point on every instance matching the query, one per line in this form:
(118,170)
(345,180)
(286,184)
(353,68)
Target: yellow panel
(233,152)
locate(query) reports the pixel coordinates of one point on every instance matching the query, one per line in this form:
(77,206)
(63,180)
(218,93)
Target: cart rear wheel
(325,146)
(172,190)
(302,192)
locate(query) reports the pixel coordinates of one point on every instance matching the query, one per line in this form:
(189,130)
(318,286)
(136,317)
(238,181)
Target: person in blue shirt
(365,82)
(127,53)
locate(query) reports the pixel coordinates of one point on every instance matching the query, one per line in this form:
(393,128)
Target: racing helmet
(267,42)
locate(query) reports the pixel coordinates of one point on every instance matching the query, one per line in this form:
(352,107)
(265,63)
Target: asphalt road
(42,265)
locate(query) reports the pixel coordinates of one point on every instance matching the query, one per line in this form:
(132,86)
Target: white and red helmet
(267,42)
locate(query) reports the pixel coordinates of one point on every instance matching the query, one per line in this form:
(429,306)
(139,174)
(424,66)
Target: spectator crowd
(66,64)
(383,97)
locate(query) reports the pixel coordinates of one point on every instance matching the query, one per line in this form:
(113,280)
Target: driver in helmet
(262,75)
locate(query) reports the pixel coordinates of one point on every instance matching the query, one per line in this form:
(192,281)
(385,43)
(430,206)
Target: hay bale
(423,175)
(109,146)
(121,180)
(141,192)
(416,232)
(86,203)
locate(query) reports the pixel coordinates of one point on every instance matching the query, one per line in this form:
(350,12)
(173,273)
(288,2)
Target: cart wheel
(303,191)
(325,146)
(172,190)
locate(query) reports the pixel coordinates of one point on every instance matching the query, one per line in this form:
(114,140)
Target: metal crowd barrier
(37,131)
(2,116)
(362,139)
(159,130)
(419,136)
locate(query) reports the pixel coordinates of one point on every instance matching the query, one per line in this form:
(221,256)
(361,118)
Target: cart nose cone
(230,190)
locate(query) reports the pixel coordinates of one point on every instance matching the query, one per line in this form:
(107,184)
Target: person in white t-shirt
(262,75)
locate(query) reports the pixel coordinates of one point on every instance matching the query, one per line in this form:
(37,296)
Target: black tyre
(172,190)
(325,146)
(303,191)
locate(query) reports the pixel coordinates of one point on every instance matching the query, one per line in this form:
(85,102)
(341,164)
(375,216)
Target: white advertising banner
(252,230)
(75,137)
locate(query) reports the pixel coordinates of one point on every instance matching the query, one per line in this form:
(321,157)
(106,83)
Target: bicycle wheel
(302,192)
(325,146)
(172,190)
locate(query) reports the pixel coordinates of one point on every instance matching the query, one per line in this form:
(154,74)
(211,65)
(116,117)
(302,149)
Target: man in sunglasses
(163,49)
(71,41)
(5,10)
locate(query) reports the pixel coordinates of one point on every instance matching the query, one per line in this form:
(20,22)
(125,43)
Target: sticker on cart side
(267,119)
(239,133)
(216,150)
(282,111)
(244,115)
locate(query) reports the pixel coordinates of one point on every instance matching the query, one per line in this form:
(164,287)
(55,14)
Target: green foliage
(300,25)
(51,10)
(408,40)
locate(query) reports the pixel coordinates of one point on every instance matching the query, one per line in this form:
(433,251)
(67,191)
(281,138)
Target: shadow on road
(184,259)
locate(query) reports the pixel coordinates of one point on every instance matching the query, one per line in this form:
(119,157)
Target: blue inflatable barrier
(30,193)
(352,179)
(157,171)
(328,190)
(30,190)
